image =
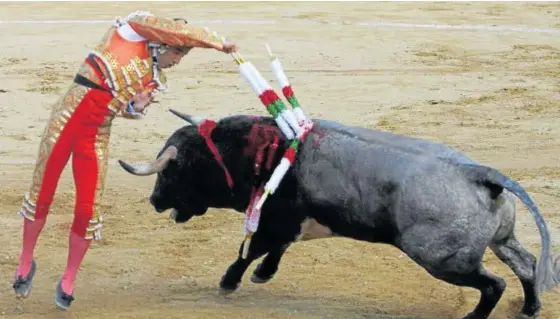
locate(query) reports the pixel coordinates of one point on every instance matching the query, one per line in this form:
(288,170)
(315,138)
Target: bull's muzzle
(151,168)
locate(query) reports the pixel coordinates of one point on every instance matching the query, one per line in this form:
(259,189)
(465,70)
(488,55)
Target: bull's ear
(194,120)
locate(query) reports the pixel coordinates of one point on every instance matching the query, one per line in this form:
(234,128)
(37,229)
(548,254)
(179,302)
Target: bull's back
(412,144)
(372,187)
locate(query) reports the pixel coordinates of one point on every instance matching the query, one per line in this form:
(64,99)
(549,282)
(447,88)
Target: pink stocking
(77,249)
(31,231)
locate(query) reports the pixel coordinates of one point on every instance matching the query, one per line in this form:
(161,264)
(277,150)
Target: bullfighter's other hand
(229,46)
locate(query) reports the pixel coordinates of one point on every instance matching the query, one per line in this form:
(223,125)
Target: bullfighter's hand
(229,46)
(142,100)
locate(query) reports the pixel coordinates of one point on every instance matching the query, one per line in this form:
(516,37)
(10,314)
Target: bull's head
(183,168)
(190,178)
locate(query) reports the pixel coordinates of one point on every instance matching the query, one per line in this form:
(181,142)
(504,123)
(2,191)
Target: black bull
(433,203)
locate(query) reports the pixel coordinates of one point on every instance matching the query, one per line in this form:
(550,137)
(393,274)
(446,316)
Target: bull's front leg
(232,278)
(269,266)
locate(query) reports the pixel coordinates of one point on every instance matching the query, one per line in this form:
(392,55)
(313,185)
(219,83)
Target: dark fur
(428,200)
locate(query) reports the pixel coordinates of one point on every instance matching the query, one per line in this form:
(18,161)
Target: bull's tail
(548,267)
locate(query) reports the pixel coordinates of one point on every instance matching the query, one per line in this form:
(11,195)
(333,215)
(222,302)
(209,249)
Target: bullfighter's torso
(125,62)
(124,58)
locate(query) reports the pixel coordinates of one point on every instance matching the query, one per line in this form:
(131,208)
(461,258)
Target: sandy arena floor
(493,94)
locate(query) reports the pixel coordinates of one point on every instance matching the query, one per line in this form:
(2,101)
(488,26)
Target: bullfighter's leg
(269,266)
(523,265)
(54,153)
(89,166)
(449,256)
(232,278)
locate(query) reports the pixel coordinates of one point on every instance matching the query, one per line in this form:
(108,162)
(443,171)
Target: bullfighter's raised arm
(174,32)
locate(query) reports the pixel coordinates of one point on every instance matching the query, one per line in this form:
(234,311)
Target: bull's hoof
(261,276)
(226,291)
(227,288)
(258,280)
(530,311)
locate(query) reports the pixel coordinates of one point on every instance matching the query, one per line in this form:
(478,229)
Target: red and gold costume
(123,64)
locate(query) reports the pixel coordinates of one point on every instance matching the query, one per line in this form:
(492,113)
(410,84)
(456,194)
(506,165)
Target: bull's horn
(194,120)
(151,168)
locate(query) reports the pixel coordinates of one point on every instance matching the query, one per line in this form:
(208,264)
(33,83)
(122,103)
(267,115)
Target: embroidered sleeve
(123,107)
(174,33)
(119,107)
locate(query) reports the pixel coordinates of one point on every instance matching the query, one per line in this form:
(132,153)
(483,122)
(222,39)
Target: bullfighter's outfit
(122,65)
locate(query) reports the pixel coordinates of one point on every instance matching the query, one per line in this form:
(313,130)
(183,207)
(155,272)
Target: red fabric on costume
(77,138)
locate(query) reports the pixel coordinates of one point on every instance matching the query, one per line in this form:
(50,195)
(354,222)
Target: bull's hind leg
(523,265)
(449,257)
(491,288)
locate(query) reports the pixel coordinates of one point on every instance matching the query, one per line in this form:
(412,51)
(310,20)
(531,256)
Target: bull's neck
(253,162)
